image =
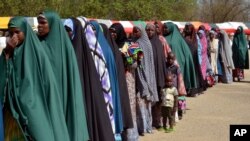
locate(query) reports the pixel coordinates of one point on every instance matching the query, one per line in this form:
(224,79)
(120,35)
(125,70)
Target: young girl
(174,69)
(169,103)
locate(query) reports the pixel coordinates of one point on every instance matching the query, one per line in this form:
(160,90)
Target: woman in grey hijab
(146,82)
(225,57)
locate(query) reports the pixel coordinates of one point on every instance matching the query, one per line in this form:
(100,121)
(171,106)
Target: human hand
(12,42)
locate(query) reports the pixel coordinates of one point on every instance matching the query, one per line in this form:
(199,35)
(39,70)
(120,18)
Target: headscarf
(99,126)
(123,89)
(204,44)
(183,55)
(69,24)
(193,34)
(101,67)
(31,89)
(146,73)
(228,50)
(130,50)
(120,32)
(240,51)
(159,59)
(109,57)
(159,23)
(64,64)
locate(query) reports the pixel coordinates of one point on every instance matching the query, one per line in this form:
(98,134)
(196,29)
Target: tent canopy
(4,22)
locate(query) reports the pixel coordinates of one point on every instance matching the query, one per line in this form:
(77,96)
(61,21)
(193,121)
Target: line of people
(80,80)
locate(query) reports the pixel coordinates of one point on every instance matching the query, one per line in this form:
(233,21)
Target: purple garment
(101,67)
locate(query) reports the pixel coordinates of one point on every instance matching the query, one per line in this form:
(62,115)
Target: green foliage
(106,9)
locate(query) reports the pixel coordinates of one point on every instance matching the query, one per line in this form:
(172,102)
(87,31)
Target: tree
(107,9)
(223,10)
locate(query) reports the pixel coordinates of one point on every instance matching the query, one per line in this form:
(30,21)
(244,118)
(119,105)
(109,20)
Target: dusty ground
(209,115)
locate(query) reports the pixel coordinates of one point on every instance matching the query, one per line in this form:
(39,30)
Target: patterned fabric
(131,64)
(144,115)
(147,73)
(101,67)
(203,64)
(146,84)
(111,66)
(132,133)
(131,53)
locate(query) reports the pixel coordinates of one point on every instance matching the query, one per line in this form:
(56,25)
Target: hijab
(159,59)
(103,75)
(240,51)
(31,89)
(125,107)
(61,54)
(120,32)
(227,49)
(183,55)
(146,73)
(109,57)
(99,126)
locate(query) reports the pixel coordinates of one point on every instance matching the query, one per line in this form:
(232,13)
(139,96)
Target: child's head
(170,58)
(169,80)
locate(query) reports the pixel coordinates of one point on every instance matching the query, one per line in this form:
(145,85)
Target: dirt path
(209,115)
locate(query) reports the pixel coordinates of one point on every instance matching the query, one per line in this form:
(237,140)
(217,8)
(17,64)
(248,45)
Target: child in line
(174,69)
(169,103)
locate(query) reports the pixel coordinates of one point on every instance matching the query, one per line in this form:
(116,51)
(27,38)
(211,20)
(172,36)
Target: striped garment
(101,67)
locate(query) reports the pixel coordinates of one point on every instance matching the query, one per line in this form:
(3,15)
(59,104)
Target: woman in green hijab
(240,54)
(32,108)
(60,52)
(182,52)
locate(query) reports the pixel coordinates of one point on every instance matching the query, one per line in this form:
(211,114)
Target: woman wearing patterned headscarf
(182,52)
(60,52)
(160,70)
(147,90)
(99,126)
(240,53)
(124,96)
(111,66)
(131,57)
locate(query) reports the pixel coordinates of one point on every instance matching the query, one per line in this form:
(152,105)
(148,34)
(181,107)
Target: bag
(210,81)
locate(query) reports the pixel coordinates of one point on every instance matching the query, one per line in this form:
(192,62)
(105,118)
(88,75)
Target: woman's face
(136,32)
(170,59)
(188,30)
(43,26)
(150,31)
(200,35)
(157,29)
(211,35)
(165,30)
(16,35)
(113,33)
